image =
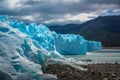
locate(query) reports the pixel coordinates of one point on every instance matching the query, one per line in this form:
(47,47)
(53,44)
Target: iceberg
(25,50)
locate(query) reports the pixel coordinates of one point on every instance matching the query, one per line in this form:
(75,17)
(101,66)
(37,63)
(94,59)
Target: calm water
(103,56)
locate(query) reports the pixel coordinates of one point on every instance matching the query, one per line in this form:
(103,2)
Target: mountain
(103,28)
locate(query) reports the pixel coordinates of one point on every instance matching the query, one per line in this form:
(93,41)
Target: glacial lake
(103,56)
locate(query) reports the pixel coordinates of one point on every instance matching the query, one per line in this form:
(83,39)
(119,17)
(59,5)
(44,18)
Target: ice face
(63,43)
(70,44)
(93,46)
(25,50)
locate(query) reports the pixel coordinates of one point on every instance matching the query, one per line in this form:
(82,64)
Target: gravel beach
(94,72)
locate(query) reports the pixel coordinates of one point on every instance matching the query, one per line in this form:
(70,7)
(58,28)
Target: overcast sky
(58,11)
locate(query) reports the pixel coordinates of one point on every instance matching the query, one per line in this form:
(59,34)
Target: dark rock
(94,72)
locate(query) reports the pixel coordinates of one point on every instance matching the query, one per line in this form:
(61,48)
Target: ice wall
(68,44)
(93,46)
(51,41)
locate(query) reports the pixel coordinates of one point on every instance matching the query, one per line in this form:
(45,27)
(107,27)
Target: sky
(58,12)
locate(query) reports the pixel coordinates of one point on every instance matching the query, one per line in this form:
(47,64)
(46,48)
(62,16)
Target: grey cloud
(54,9)
(117,2)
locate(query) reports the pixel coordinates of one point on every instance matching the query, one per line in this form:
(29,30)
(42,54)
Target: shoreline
(99,71)
(110,47)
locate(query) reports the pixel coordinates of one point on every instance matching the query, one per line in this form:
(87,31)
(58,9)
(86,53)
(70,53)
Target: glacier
(25,50)
(62,43)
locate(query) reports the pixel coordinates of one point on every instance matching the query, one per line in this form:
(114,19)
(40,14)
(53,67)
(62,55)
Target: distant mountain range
(103,28)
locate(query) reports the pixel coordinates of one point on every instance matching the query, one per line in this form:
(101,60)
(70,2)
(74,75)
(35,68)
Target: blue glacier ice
(62,43)
(25,50)
(93,45)
(70,44)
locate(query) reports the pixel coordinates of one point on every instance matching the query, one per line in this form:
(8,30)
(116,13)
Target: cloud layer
(58,11)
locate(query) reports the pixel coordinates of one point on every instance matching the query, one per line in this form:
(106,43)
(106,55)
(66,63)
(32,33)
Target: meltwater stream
(103,56)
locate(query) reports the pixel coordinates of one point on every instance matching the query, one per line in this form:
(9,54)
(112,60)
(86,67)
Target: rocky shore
(94,72)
